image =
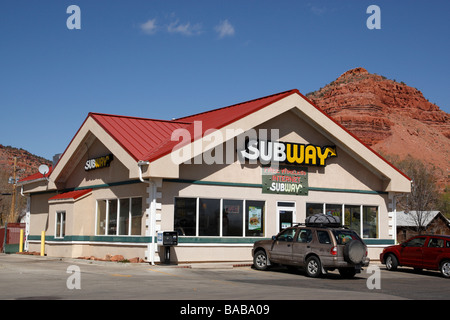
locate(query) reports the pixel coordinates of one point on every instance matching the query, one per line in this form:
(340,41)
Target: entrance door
(286,214)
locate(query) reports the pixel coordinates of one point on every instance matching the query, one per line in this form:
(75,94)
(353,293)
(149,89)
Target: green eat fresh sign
(285,180)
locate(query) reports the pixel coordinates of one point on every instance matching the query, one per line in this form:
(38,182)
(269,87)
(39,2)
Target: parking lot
(31,277)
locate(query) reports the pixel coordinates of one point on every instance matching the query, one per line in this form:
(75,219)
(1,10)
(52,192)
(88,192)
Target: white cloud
(149,27)
(185,29)
(318,10)
(224,29)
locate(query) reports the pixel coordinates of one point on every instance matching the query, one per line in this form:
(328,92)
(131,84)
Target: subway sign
(285,180)
(100,162)
(288,153)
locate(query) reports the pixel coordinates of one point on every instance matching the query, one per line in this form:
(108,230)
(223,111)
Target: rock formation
(390,117)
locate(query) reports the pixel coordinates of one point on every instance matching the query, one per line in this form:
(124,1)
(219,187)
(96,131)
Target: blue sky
(167,59)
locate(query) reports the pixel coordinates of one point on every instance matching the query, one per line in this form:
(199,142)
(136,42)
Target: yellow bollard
(21,241)
(42,243)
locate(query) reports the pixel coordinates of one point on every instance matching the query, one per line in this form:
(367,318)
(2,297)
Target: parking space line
(121,275)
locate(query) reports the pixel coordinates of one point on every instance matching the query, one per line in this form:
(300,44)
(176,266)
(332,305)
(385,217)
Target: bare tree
(424,194)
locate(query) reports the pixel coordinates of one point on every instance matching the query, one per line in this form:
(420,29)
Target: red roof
(137,135)
(71,195)
(217,119)
(35,176)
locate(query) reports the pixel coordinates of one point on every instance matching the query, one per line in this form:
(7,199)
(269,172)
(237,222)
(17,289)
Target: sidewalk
(187,265)
(190,265)
(210,265)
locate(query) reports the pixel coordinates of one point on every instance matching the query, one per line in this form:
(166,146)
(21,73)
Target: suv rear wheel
(313,267)
(260,260)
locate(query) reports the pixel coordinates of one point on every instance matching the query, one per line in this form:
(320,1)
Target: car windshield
(345,236)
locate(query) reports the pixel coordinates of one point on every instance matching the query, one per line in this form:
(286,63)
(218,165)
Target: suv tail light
(333,251)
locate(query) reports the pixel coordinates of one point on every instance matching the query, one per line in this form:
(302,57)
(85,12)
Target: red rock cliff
(391,117)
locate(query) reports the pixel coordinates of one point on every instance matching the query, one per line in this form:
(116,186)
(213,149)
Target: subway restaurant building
(221,179)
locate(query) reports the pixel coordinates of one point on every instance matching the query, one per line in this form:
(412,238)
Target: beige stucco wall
(39,210)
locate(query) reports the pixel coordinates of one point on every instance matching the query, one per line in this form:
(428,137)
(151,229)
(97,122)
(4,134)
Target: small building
(431,222)
(221,179)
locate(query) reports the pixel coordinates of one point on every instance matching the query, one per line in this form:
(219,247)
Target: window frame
(244,212)
(60,219)
(362,222)
(117,217)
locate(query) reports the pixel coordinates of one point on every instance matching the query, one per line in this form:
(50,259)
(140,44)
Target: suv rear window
(345,236)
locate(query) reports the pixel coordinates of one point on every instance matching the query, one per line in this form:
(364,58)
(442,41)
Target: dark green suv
(316,249)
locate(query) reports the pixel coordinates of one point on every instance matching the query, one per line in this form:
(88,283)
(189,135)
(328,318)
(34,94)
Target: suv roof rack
(319,225)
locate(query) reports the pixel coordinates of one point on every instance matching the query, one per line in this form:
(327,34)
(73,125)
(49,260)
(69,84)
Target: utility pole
(12,213)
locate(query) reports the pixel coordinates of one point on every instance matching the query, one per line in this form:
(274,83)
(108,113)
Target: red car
(420,252)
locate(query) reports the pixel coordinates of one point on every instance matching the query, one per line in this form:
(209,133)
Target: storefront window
(114,216)
(124,216)
(101,217)
(352,218)
(232,218)
(313,208)
(370,222)
(185,216)
(334,210)
(254,218)
(209,217)
(136,216)
(218,217)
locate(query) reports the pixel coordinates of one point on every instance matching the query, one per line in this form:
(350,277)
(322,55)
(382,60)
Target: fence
(10,237)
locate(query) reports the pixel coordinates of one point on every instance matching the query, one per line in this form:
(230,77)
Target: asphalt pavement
(25,277)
